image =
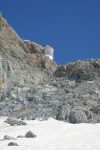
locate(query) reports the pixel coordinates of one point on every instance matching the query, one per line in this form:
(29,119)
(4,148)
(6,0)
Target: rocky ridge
(33,86)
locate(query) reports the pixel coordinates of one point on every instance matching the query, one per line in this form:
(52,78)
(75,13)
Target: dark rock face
(29,134)
(78,117)
(96,109)
(81,70)
(33,86)
(61,71)
(63,112)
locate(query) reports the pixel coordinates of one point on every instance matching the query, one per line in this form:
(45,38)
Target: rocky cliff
(34,86)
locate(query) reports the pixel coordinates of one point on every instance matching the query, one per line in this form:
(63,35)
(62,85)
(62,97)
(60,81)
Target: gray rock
(29,134)
(20,136)
(60,72)
(14,121)
(96,109)
(13,144)
(6,137)
(63,112)
(78,117)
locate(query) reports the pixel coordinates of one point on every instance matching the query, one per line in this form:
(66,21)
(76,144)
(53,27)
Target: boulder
(6,137)
(20,136)
(14,121)
(29,134)
(13,144)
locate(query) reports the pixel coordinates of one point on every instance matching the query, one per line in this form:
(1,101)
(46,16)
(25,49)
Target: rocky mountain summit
(33,86)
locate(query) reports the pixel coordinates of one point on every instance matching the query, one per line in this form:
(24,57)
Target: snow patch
(52,135)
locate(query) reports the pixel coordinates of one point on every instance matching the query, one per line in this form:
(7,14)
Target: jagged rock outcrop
(33,86)
(80,70)
(25,60)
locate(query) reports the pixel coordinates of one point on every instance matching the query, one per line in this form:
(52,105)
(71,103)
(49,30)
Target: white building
(49,52)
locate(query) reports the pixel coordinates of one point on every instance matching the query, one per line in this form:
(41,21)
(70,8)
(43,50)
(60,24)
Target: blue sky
(72,27)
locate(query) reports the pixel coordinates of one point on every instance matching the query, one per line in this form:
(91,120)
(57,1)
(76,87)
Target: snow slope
(52,135)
